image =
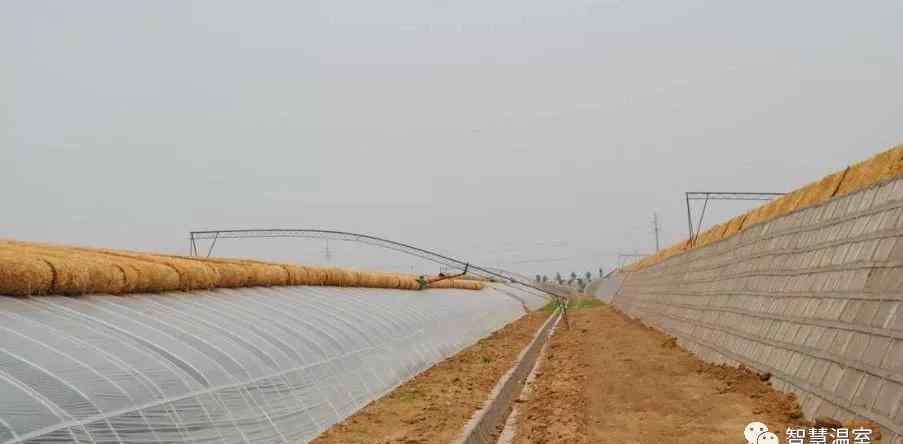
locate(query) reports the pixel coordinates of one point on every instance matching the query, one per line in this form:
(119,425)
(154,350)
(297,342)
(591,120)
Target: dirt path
(609,379)
(434,406)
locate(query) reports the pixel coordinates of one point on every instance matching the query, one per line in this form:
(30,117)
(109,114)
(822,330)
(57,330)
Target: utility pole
(657,229)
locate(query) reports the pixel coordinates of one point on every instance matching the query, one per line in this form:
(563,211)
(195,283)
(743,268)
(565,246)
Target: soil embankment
(611,379)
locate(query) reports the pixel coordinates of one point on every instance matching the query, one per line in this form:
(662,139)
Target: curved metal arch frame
(347,236)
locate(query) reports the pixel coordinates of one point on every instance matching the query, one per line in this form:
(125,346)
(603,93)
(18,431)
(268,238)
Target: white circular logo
(767,438)
(752,432)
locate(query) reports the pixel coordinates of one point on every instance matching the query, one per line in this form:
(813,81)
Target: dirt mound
(747,382)
(612,379)
(556,411)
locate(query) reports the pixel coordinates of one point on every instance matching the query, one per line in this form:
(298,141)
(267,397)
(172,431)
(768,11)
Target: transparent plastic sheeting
(254,365)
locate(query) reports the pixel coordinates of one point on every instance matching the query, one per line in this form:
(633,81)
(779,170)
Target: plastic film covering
(253,365)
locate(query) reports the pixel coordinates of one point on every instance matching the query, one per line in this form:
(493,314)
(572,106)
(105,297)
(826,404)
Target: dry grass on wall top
(882,166)
(30,268)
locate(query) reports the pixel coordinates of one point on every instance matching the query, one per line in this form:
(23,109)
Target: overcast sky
(535,135)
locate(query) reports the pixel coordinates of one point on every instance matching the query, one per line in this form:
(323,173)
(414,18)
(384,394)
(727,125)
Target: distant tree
(538,278)
(580,283)
(558,278)
(588,276)
(601,273)
(573,276)
(545,279)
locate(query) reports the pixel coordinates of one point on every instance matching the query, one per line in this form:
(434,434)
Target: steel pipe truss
(706,196)
(452,263)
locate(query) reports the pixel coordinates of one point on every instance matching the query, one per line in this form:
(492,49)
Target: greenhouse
(258,364)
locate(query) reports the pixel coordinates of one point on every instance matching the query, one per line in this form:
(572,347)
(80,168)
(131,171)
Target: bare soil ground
(434,406)
(609,379)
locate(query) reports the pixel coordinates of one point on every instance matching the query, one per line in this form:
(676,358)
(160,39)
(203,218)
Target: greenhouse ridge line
(401,247)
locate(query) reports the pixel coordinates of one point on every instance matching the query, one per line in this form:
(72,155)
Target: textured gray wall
(812,297)
(605,289)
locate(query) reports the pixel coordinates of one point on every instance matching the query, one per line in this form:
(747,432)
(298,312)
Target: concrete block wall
(605,289)
(815,297)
